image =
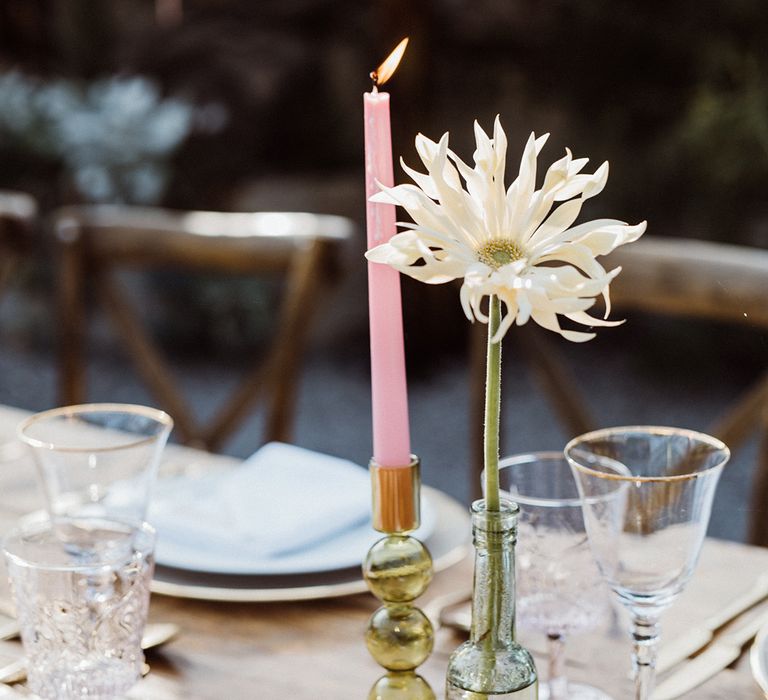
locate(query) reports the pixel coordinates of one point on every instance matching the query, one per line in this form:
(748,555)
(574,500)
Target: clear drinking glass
(559,589)
(97,459)
(81,589)
(647,495)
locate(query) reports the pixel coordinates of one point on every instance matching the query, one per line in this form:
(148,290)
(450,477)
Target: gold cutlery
(678,650)
(9,629)
(154,635)
(435,608)
(158,633)
(14,671)
(458,617)
(726,649)
(8,691)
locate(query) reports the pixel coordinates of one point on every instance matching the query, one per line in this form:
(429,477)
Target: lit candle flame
(385,71)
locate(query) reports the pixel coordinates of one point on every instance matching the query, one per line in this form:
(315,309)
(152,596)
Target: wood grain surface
(314,650)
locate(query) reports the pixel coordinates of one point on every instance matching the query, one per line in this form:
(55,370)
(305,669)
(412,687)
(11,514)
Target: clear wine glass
(647,496)
(97,460)
(558,584)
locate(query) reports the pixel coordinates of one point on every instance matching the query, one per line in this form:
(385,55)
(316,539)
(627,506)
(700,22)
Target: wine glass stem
(557,681)
(645,636)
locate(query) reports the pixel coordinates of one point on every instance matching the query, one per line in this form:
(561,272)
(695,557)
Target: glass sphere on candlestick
(398,569)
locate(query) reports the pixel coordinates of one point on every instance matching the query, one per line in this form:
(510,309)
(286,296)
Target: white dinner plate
(449,543)
(340,551)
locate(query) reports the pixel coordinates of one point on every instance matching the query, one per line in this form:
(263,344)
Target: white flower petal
(545,317)
(521,190)
(540,142)
(483,155)
(433,271)
(383,197)
(568,306)
(506,323)
(601,237)
(578,255)
(429,152)
(585,185)
(424,182)
(435,239)
(603,241)
(576,336)
(557,274)
(466,302)
(477,184)
(500,148)
(557,222)
(425,212)
(596,183)
(587,320)
(557,173)
(524,308)
(577,164)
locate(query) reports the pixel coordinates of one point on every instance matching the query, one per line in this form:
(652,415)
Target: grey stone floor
(644,372)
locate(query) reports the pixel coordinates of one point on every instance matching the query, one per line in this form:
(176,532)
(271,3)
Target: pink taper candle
(391,436)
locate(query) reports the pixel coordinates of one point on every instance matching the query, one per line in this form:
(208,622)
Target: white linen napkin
(281,500)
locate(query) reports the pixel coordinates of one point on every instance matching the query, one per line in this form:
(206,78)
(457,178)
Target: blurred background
(231,105)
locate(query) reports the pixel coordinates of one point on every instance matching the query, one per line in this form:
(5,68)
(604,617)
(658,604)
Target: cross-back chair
(18,219)
(96,242)
(673,277)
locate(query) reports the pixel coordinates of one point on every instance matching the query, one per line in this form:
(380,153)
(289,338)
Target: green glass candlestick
(398,569)
(396,686)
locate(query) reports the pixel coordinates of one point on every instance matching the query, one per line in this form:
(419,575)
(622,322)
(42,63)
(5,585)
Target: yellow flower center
(499,252)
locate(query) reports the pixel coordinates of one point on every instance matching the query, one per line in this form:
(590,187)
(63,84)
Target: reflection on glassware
(558,589)
(82,603)
(491,664)
(647,495)
(97,459)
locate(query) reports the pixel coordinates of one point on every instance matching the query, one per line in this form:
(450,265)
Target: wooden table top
(314,650)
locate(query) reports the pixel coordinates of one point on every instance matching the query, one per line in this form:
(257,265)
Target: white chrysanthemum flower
(505,242)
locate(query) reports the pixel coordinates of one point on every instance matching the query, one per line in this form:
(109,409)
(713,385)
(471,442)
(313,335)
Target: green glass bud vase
(491,664)
(398,569)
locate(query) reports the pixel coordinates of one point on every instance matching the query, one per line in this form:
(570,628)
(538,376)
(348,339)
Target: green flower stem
(491,445)
(492,408)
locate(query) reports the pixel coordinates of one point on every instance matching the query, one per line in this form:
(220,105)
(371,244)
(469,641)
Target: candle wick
(375,77)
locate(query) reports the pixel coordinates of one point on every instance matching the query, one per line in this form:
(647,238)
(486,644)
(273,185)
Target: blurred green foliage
(674,94)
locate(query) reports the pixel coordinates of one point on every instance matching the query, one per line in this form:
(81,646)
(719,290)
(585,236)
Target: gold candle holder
(398,569)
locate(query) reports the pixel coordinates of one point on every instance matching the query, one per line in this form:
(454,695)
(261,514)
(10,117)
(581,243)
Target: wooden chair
(721,282)
(673,277)
(18,220)
(97,241)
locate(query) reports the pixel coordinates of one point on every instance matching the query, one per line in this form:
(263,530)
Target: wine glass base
(576,691)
